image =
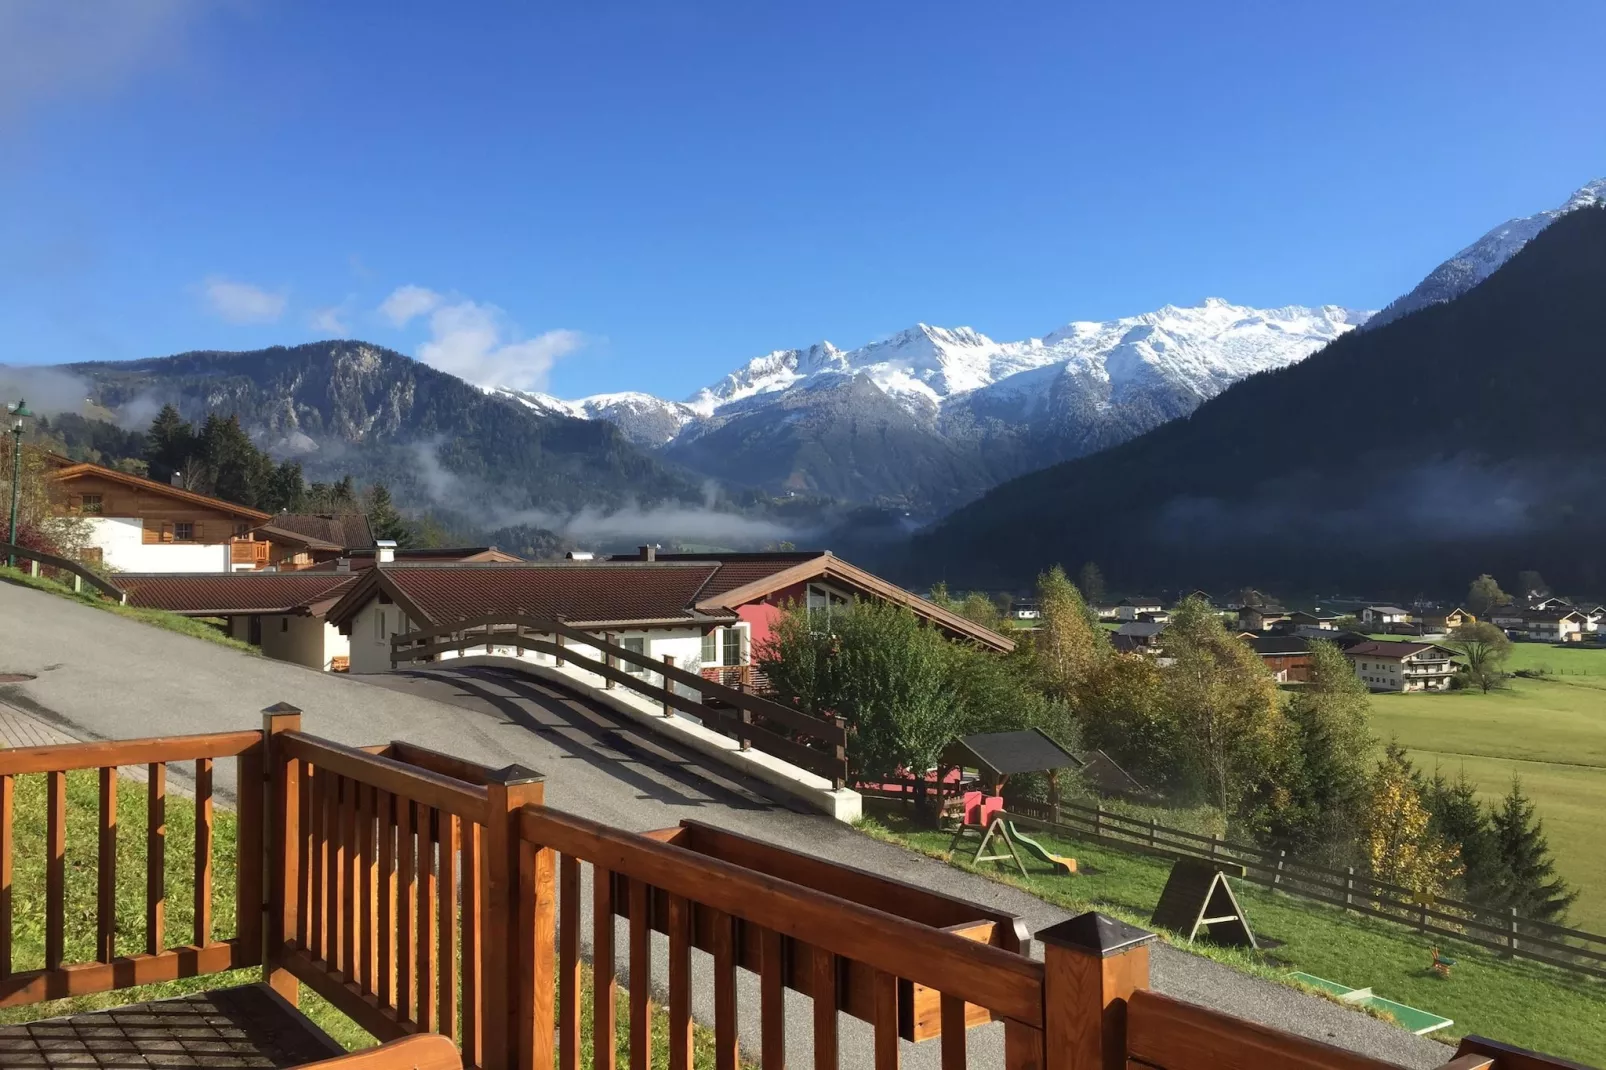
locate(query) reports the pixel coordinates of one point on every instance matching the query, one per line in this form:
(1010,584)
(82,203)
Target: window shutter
(149,535)
(195,531)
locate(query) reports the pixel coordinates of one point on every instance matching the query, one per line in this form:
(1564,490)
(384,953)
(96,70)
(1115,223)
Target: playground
(1523,1002)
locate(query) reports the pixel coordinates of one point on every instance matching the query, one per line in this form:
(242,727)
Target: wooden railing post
(1092,964)
(280,785)
(610,658)
(669,685)
(518,973)
(557,659)
(839,754)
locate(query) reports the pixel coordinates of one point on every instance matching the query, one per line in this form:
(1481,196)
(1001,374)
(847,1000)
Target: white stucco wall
(303,640)
(120,541)
(371,629)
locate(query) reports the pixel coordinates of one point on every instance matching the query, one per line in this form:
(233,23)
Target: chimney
(649,553)
(384,551)
(580,555)
(177,479)
(342,564)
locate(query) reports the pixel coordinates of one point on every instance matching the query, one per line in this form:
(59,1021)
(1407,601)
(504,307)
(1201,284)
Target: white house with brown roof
(285,613)
(1401,666)
(140,525)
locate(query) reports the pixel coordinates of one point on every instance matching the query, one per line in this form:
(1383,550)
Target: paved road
(101,676)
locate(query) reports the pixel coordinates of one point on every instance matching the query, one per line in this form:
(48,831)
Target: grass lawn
(28,893)
(1518,1002)
(198,629)
(1550,731)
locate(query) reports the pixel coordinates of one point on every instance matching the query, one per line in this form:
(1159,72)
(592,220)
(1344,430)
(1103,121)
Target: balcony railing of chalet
(421,893)
(817,744)
(251,552)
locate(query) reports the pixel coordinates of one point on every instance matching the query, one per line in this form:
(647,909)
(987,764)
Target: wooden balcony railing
(251,552)
(420,893)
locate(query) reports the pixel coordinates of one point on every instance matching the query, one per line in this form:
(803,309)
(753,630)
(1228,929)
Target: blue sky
(610,196)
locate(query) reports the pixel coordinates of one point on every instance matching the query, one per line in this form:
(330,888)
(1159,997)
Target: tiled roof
(208,594)
(1279,645)
(348,531)
(739,573)
(594,592)
(1382,649)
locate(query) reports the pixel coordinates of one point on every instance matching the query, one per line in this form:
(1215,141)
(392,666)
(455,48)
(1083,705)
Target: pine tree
(1090,579)
(383,519)
(288,490)
(1329,777)
(1528,878)
(169,443)
(1460,819)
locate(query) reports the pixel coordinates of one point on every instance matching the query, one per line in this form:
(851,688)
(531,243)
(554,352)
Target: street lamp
(19,413)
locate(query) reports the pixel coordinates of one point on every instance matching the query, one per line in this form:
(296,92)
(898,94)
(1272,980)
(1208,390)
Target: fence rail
(80,574)
(817,744)
(1507,933)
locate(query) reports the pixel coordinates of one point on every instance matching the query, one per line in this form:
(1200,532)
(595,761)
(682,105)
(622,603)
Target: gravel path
(99,676)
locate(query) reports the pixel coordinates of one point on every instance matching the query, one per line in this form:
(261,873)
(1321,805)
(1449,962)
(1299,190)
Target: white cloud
(407,302)
(241,302)
(51,48)
(331,321)
(472,341)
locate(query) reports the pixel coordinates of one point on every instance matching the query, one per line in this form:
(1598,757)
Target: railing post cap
(1095,933)
(281,708)
(514,774)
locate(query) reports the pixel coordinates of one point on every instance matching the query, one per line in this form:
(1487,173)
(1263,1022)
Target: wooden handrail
(66,757)
(421,785)
(1173,1035)
(1005,983)
(104,586)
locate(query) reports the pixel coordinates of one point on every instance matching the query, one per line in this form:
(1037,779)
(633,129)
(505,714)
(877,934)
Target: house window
(379,625)
(242,530)
(726,646)
(91,505)
(284,624)
(636,644)
(183,531)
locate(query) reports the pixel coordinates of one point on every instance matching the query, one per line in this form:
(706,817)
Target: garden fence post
(77,584)
(1098,820)
(1422,914)
(1277,878)
(1511,931)
(1349,888)
(1215,845)
(1091,966)
(1153,832)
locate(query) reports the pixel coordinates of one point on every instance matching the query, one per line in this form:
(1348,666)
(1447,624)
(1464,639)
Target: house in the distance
(285,613)
(1402,666)
(1286,657)
(1321,619)
(141,525)
(1260,618)
(1138,637)
(301,540)
(708,612)
(357,560)
(1134,607)
(1383,616)
(1025,609)
(1559,625)
(1440,621)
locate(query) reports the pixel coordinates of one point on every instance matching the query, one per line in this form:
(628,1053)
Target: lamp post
(19,412)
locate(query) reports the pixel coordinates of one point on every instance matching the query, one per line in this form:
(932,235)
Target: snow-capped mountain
(1479,260)
(902,419)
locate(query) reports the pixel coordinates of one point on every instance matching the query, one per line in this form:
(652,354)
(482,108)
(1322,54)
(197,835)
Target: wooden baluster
(8,791)
(253,897)
(406,908)
(823,990)
(336,910)
(885,989)
(306,881)
(1091,966)
(156,858)
(203,851)
(1023,1048)
(640,978)
(351,879)
(425,856)
(569,968)
(727,1055)
(106,891)
(473,989)
(317,845)
(55,868)
(680,1022)
(364,970)
(772,1003)
(953,1033)
(537,976)
(284,853)
(447,927)
(385,988)
(604,986)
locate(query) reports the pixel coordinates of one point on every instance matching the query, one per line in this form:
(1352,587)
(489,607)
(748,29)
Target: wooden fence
(818,744)
(1505,932)
(421,893)
(80,574)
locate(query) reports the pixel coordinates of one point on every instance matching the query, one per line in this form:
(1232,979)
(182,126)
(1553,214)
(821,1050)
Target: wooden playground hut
(997,756)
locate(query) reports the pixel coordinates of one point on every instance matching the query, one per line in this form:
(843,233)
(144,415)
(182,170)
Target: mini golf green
(1417,1021)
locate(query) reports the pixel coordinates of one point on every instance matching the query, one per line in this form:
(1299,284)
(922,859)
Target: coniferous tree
(1527,878)
(168,444)
(1090,579)
(1460,819)
(383,519)
(287,490)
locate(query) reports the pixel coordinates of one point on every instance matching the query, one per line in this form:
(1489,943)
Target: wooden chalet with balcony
(443,906)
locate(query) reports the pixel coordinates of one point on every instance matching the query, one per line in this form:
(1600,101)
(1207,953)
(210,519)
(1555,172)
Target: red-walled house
(707,611)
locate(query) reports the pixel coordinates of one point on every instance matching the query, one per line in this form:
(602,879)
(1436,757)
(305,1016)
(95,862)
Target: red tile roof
(590,593)
(1383,649)
(223,594)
